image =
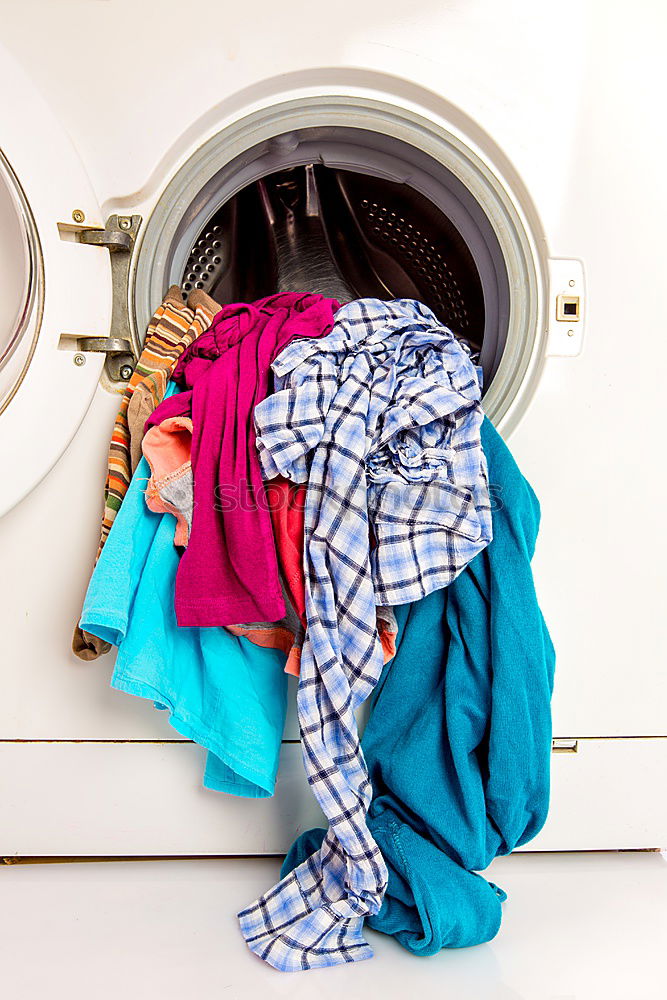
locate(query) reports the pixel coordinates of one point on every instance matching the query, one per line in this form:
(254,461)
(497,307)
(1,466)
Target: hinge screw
(570,333)
(124,222)
(79,360)
(78,215)
(126,372)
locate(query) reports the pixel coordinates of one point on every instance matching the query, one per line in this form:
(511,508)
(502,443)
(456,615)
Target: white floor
(575,926)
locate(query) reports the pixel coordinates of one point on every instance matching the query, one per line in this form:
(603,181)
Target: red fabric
(287,502)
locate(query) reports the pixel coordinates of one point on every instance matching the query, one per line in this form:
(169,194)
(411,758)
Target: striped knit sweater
(172,328)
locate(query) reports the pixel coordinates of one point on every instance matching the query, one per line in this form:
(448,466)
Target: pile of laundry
(299,487)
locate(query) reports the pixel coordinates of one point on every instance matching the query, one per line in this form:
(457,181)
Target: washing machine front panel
(544,97)
(54,290)
(426,87)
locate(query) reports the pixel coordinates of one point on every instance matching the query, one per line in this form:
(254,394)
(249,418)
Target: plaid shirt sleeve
(382,419)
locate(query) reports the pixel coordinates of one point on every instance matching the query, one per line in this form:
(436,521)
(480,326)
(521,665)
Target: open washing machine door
(54,291)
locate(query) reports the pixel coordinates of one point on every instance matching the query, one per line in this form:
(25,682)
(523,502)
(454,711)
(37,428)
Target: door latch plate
(567,308)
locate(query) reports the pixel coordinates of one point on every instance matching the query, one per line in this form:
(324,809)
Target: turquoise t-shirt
(221,691)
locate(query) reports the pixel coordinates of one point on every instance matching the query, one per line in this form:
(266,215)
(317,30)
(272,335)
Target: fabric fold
(458,742)
(389,397)
(172,328)
(170,489)
(220,691)
(229,571)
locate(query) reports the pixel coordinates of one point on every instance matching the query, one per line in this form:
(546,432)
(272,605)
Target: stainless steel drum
(345,234)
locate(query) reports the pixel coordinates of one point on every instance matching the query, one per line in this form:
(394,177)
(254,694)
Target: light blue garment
(221,691)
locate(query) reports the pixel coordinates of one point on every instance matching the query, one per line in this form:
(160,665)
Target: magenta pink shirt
(229,572)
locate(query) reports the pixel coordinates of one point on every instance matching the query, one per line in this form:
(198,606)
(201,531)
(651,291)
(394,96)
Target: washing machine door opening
(345,234)
(388,206)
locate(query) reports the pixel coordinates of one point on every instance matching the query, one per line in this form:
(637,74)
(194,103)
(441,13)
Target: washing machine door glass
(54,291)
(18,280)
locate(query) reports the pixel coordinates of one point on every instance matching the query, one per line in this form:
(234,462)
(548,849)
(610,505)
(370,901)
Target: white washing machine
(535,137)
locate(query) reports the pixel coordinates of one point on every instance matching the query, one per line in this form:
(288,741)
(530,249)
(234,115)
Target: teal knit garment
(459,738)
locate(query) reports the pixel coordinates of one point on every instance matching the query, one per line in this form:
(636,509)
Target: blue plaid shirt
(382,419)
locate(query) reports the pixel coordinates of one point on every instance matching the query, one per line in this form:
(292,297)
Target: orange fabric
(166,448)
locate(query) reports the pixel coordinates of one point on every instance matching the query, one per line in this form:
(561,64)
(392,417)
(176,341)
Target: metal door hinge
(118,236)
